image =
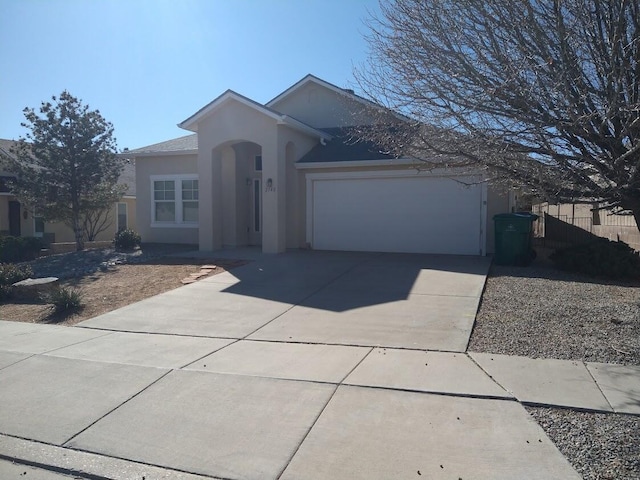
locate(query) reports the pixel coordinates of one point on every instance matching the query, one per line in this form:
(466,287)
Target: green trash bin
(513,238)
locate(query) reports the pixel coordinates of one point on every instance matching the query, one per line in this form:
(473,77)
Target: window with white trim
(190,200)
(174,200)
(38,225)
(122,216)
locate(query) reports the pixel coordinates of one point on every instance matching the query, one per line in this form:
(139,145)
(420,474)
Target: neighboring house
(17,220)
(286,174)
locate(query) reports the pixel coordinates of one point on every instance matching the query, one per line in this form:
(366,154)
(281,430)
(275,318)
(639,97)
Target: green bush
(601,258)
(127,240)
(19,249)
(10,274)
(65,300)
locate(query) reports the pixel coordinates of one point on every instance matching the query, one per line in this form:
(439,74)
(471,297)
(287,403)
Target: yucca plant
(65,300)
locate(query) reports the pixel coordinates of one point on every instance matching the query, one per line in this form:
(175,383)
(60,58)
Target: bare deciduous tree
(544,94)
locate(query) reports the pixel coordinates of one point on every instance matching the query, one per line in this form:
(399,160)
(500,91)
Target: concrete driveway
(405,301)
(301,365)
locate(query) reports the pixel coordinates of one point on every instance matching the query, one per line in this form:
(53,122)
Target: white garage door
(394,213)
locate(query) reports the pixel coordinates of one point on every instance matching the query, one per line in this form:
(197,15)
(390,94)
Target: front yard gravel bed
(599,445)
(541,312)
(87,262)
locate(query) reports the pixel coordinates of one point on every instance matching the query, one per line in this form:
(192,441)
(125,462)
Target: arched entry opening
(238,166)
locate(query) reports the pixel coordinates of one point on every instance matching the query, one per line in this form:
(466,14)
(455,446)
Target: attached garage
(396,211)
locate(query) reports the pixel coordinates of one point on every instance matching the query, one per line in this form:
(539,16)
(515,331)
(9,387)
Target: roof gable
(324,105)
(191,123)
(309,78)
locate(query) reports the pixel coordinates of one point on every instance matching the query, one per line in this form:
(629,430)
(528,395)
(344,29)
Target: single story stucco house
(287,175)
(19,221)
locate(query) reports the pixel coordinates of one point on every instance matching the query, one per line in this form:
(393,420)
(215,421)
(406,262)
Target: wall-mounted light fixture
(25,214)
(270,186)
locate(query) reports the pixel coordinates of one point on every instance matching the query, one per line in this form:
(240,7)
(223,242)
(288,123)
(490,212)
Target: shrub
(601,258)
(10,274)
(127,240)
(19,249)
(65,300)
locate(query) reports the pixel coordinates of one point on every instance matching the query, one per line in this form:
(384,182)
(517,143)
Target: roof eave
(158,154)
(380,162)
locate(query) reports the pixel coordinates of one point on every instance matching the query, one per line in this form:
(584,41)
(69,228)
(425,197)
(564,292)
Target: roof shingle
(344,147)
(180,144)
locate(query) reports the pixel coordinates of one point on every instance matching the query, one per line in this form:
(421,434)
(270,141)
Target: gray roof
(181,144)
(344,147)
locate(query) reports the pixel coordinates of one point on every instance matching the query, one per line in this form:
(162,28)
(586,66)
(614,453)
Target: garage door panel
(405,214)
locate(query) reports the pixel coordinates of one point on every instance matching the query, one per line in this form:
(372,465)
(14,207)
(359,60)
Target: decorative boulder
(34,289)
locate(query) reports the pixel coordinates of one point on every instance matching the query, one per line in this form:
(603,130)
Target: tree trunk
(77,230)
(633,204)
(636,215)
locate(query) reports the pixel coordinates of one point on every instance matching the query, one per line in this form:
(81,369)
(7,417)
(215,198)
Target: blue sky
(149,64)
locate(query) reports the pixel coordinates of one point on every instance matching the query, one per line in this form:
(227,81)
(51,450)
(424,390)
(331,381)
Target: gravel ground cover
(541,312)
(86,262)
(600,446)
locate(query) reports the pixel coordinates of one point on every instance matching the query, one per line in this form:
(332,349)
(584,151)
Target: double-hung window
(122,216)
(189,200)
(174,200)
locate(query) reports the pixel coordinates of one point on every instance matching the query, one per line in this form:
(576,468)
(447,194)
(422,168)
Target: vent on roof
(349,90)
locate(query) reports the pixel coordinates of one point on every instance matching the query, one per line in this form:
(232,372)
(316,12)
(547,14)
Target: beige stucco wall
(320,107)
(26,224)
(497,202)
(295,145)
(60,231)
(162,165)
(132,221)
(231,123)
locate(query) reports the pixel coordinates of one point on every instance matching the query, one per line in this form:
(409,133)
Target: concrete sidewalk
(237,377)
(263,410)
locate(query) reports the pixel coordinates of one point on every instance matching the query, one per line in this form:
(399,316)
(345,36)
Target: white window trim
(178,223)
(35,233)
(126,213)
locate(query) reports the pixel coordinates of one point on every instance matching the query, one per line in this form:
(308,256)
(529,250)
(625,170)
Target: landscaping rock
(88,262)
(35,288)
